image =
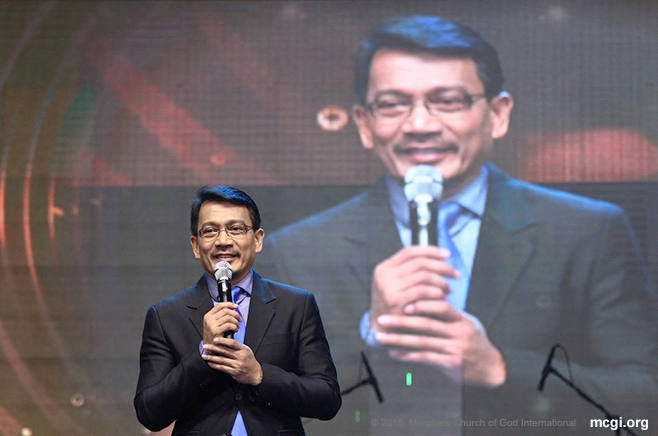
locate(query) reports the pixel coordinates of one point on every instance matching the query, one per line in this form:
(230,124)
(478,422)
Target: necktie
(451,221)
(239,296)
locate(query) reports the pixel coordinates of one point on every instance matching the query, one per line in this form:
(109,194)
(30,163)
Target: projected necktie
(452,220)
(239,297)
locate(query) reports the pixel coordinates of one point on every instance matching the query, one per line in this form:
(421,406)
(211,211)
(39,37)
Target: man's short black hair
(429,35)
(223,194)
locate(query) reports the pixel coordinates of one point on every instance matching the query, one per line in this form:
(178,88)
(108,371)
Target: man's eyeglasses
(234,231)
(394,106)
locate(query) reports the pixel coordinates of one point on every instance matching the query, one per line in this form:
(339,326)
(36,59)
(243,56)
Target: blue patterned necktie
(239,296)
(451,221)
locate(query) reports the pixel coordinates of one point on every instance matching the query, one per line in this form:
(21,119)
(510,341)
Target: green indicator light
(408,379)
(357,415)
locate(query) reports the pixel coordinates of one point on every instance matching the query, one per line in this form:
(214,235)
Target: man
(210,384)
(536,267)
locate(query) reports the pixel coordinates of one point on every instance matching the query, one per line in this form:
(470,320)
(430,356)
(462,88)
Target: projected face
(427,109)
(238,250)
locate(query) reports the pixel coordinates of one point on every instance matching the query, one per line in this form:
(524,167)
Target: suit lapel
(199,303)
(261,312)
(380,239)
(506,243)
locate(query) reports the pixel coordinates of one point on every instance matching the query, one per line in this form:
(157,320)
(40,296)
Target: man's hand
(413,273)
(235,359)
(410,314)
(220,319)
(435,333)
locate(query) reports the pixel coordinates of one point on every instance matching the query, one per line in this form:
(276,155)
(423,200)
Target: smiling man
(277,367)
(430,109)
(461,336)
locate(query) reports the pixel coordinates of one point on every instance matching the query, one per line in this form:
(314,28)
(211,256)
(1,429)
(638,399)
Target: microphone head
(223,271)
(423,184)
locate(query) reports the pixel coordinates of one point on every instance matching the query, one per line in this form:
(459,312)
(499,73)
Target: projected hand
(410,314)
(435,333)
(413,273)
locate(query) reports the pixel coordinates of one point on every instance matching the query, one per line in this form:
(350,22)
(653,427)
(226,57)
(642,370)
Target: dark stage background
(114,113)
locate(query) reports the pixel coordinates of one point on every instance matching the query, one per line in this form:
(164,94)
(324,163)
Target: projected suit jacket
(550,268)
(286,335)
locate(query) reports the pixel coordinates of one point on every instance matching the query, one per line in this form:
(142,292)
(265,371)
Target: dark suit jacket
(550,267)
(286,335)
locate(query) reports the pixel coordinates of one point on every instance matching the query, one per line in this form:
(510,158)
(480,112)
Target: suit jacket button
(238,397)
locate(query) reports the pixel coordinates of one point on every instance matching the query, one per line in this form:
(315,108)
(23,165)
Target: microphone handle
(225,297)
(224,290)
(433,226)
(413,222)
(420,234)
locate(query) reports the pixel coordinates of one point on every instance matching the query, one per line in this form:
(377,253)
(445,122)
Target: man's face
(240,252)
(457,143)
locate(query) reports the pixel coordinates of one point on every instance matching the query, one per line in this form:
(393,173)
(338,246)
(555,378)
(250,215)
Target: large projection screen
(113,114)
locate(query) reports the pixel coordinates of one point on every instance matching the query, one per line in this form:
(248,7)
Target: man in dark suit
(459,347)
(265,378)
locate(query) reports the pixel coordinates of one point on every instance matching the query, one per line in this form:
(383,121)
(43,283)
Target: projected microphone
(223,275)
(547,369)
(423,187)
(371,378)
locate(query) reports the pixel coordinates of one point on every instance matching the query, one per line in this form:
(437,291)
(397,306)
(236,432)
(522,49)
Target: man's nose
(421,120)
(223,238)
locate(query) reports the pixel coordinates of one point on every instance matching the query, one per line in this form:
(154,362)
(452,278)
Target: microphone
(423,187)
(548,368)
(371,378)
(223,275)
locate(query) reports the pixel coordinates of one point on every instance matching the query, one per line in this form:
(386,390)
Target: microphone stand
(609,416)
(365,381)
(370,380)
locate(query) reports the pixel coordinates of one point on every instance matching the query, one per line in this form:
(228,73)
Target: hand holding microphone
(417,272)
(232,357)
(218,321)
(409,311)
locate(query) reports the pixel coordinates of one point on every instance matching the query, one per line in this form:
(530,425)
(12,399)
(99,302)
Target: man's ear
(260,237)
(194,242)
(360,117)
(501,109)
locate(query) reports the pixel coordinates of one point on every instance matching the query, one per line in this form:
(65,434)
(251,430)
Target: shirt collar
(473,197)
(246,283)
